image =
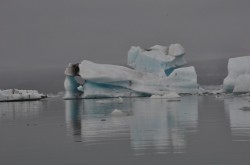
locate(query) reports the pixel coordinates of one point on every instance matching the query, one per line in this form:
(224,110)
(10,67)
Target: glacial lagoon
(195,130)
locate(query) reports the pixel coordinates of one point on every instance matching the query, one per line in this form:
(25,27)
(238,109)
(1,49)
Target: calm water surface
(195,130)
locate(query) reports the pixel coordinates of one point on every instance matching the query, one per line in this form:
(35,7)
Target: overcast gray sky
(38,38)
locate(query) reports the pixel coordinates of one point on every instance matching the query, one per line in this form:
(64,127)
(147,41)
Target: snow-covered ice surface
(19,95)
(238,79)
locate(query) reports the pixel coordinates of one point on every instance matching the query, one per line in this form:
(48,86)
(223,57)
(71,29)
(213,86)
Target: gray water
(196,130)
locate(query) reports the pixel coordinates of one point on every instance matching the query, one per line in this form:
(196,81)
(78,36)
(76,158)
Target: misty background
(38,38)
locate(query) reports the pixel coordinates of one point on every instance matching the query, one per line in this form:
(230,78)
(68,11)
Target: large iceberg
(156,59)
(151,78)
(238,79)
(20,95)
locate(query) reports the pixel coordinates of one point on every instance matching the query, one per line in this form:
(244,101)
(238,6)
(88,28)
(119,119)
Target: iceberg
(156,59)
(238,77)
(20,95)
(150,78)
(104,80)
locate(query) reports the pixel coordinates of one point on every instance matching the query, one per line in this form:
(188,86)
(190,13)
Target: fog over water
(39,38)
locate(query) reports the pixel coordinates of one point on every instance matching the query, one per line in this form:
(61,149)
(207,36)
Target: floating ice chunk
(238,75)
(156,58)
(117,112)
(156,72)
(120,100)
(116,100)
(211,89)
(170,95)
(19,95)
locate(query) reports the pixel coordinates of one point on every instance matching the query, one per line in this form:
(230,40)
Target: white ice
(15,95)
(157,58)
(156,71)
(182,80)
(170,95)
(238,75)
(117,112)
(118,100)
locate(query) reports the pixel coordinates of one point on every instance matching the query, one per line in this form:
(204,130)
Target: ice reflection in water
(153,124)
(239,113)
(10,111)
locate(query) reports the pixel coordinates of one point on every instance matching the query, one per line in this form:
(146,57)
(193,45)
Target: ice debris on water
(118,112)
(20,95)
(171,95)
(118,100)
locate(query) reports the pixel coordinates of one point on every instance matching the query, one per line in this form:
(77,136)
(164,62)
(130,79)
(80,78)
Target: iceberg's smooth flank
(93,90)
(157,58)
(71,88)
(112,79)
(183,80)
(238,79)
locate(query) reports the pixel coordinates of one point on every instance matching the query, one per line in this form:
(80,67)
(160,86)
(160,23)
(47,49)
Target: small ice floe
(115,100)
(210,90)
(20,95)
(169,96)
(245,109)
(120,100)
(118,112)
